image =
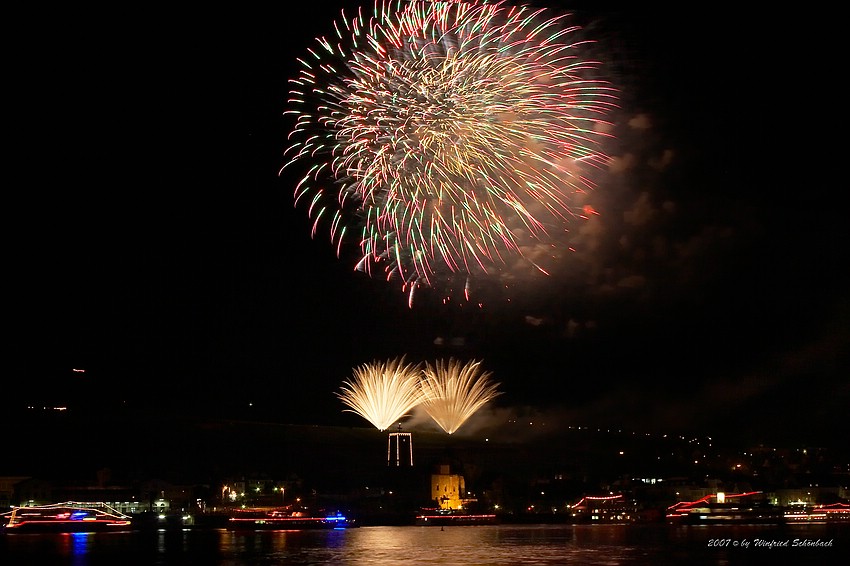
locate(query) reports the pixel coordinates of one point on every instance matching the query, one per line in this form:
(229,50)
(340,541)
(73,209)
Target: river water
(493,545)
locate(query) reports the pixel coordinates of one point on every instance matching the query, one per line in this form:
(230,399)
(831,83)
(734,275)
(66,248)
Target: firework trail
(452,392)
(382,393)
(451,138)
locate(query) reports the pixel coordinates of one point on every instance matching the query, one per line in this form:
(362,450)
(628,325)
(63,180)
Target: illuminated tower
(448,490)
(400,448)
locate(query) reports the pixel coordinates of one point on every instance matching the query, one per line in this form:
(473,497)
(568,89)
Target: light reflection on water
(495,545)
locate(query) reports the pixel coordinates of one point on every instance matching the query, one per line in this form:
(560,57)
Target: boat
(70,516)
(818,514)
(428,517)
(608,509)
(722,508)
(835,512)
(804,515)
(284,518)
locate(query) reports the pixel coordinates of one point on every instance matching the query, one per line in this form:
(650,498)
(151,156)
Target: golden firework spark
(453,391)
(383,393)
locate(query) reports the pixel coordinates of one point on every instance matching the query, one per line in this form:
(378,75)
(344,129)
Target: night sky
(150,240)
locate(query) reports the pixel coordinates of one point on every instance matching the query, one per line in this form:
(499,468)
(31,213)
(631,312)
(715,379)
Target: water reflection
(482,545)
(492,545)
(379,546)
(504,545)
(75,546)
(81,545)
(81,542)
(285,547)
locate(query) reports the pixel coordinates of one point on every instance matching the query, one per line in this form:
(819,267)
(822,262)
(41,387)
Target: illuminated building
(448,490)
(812,495)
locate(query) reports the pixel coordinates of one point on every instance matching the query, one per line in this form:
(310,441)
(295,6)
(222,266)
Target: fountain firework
(383,393)
(452,391)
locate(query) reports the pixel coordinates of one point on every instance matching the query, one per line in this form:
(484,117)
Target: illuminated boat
(447,517)
(827,513)
(804,516)
(71,516)
(286,519)
(835,512)
(604,509)
(723,508)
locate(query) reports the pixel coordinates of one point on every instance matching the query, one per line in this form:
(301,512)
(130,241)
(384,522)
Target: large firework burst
(453,391)
(383,392)
(452,137)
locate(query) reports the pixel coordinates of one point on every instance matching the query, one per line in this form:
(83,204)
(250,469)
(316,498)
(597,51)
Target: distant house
(33,491)
(7,489)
